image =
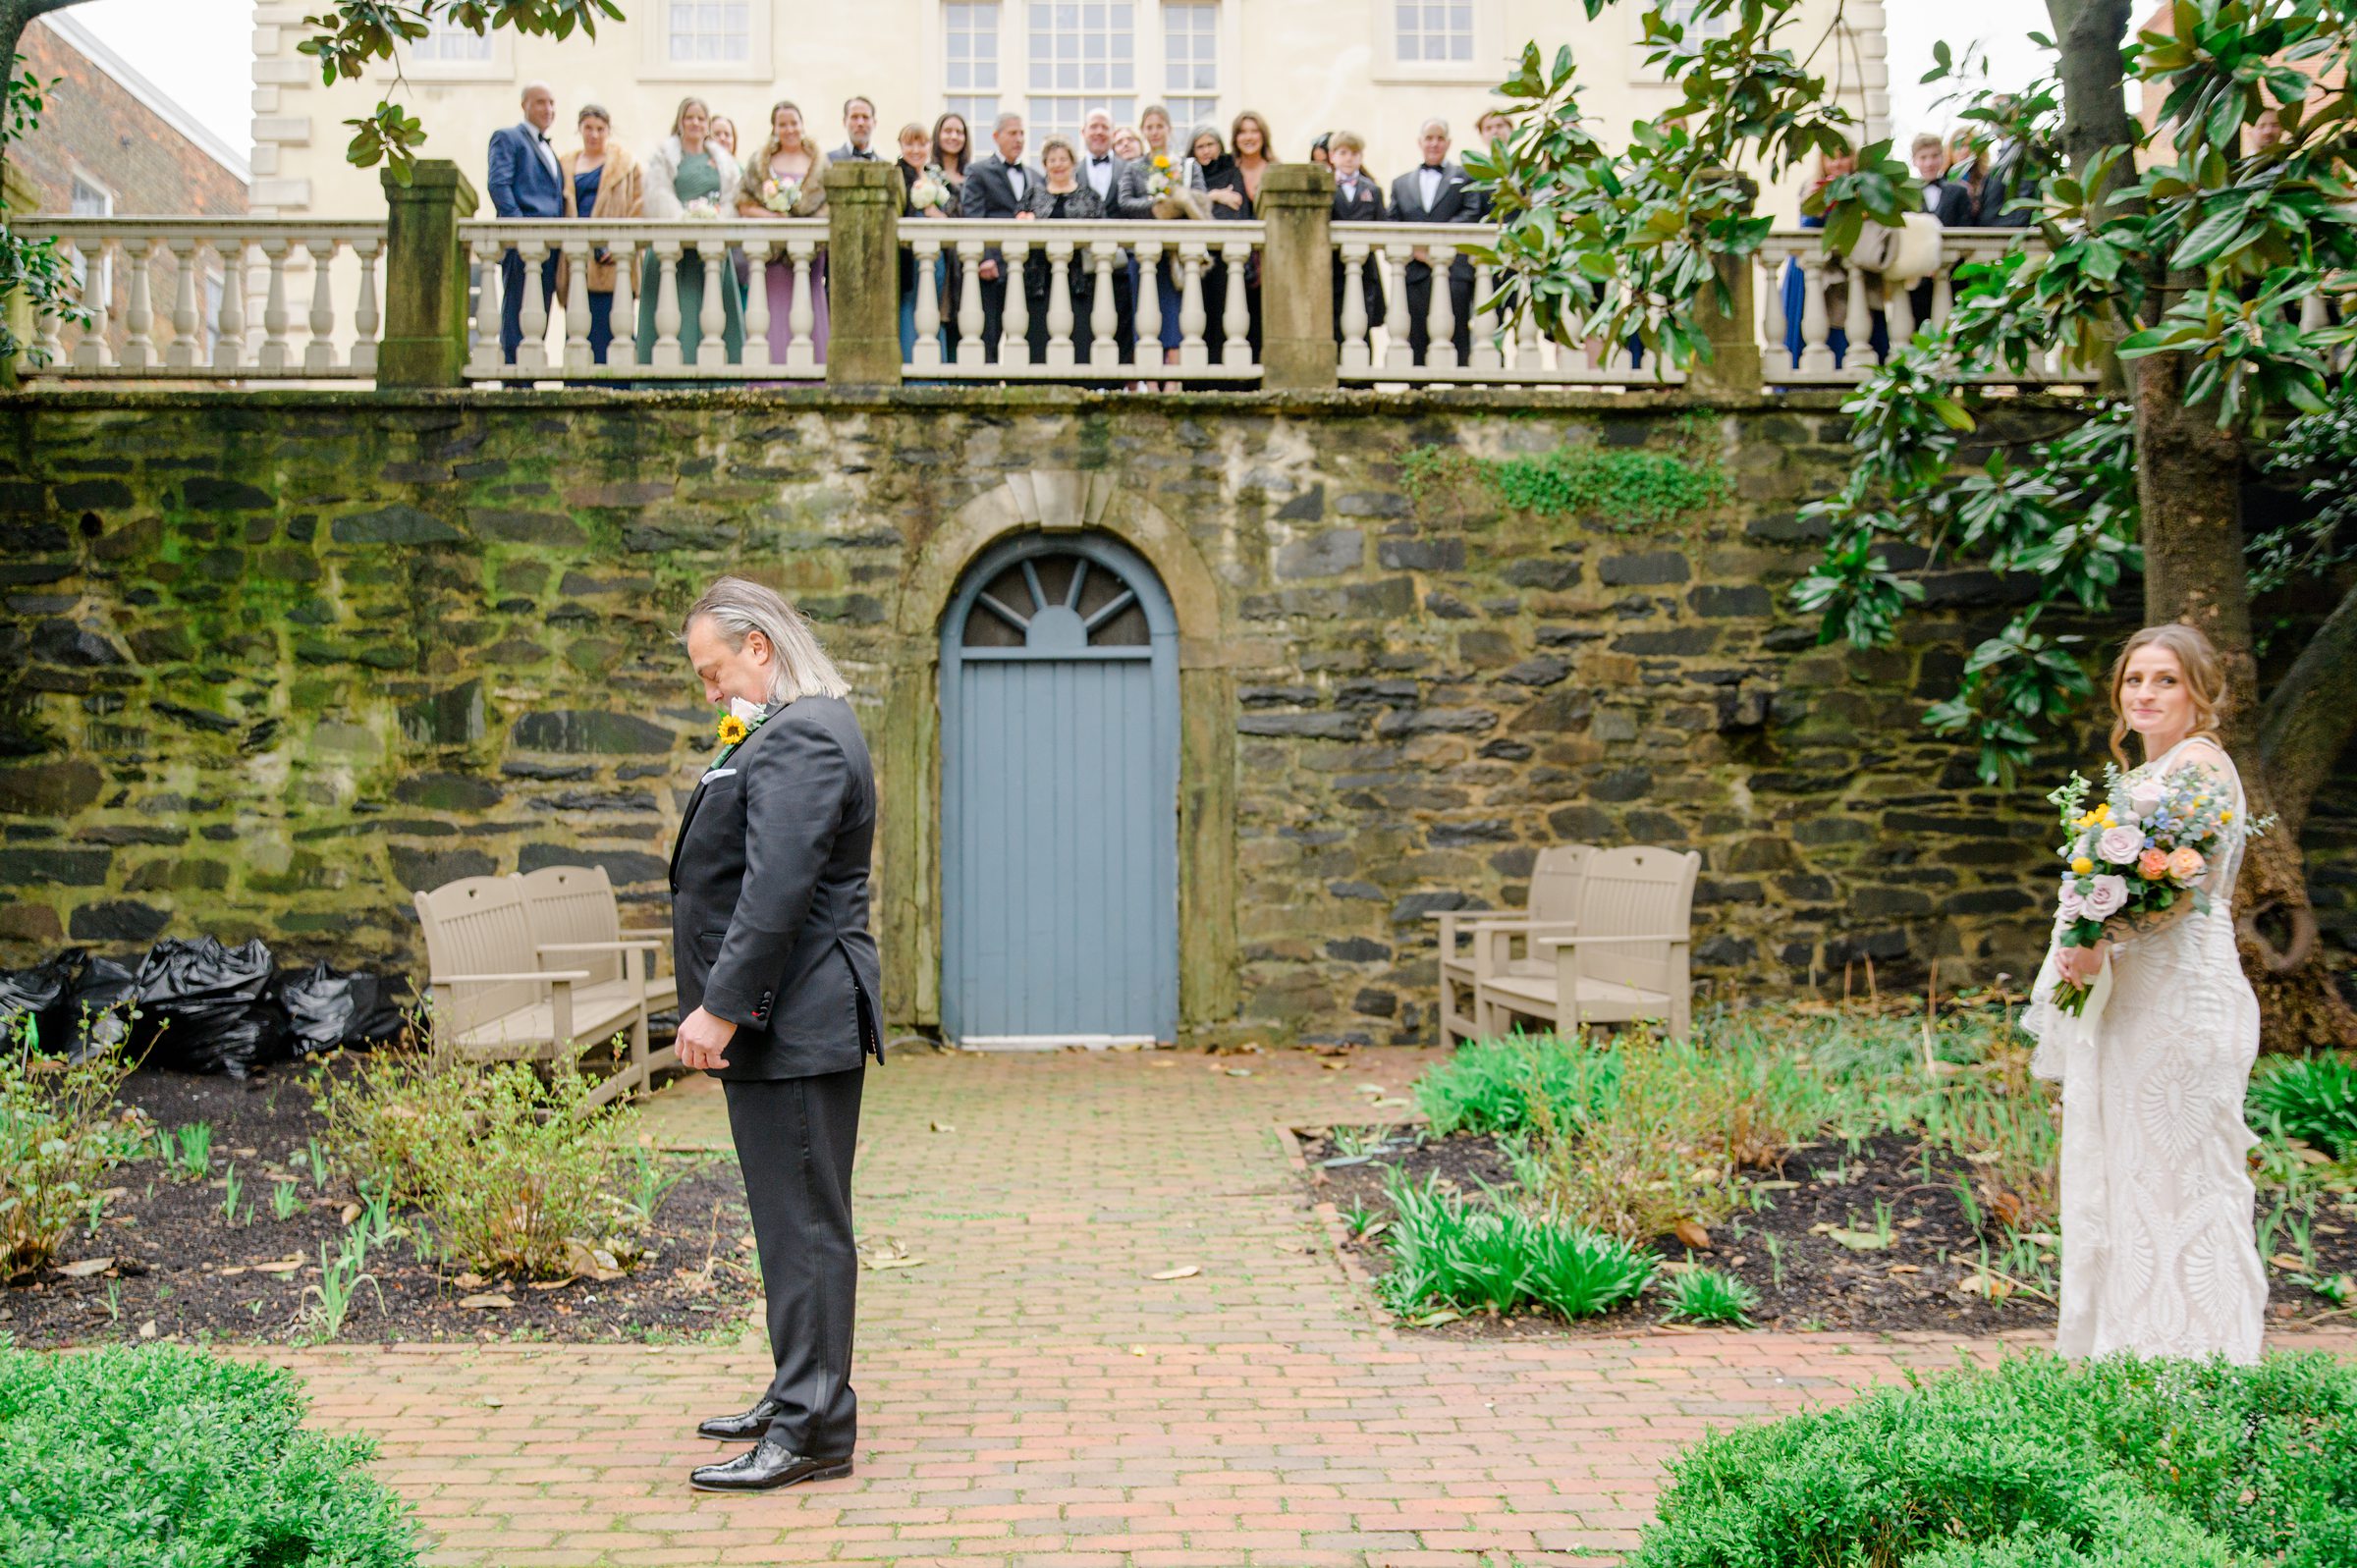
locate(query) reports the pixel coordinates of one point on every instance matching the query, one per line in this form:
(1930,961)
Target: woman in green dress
(688,176)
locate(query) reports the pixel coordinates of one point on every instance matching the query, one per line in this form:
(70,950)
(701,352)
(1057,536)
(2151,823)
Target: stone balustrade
(1291,301)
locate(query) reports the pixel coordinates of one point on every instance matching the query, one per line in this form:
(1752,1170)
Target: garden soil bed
(1817,1282)
(183,1271)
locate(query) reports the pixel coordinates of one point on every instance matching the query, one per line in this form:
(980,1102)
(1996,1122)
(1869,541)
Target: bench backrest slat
(575,903)
(476,925)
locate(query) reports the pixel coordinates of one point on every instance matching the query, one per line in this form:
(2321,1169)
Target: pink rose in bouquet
(2104,896)
(2120,844)
(2153,864)
(2185,863)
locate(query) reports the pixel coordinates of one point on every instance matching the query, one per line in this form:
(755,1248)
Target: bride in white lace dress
(2159,1253)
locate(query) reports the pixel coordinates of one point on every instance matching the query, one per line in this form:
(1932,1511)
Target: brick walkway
(1030,1395)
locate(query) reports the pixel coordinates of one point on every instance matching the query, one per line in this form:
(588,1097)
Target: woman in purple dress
(787,179)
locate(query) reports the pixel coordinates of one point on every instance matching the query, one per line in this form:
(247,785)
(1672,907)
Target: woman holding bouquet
(685,178)
(789,180)
(924,194)
(2159,1256)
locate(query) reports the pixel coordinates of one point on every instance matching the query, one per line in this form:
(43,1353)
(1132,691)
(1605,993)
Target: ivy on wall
(1623,488)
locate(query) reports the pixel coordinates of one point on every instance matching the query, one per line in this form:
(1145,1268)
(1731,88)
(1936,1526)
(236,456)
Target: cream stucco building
(1379,67)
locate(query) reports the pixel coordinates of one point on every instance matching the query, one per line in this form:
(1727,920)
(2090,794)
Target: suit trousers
(510,299)
(1420,304)
(795,1138)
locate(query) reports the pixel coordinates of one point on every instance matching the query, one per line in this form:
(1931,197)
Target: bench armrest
(1681,939)
(568,976)
(646,934)
(599,946)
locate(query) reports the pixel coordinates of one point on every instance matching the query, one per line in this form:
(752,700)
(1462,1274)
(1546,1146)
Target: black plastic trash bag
(327,1010)
(96,1003)
(41,992)
(206,1008)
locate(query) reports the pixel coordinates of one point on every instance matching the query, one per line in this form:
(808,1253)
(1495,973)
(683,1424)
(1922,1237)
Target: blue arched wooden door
(1059,797)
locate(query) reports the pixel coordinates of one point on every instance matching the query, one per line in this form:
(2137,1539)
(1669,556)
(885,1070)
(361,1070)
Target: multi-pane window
(1079,55)
(709,32)
(1680,13)
(91,200)
(446,43)
(1190,63)
(1433,32)
(972,30)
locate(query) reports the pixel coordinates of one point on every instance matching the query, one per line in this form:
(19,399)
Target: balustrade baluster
(624,349)
(1192,350)
(1397,354)
(180,352)
(756,304)
(483,364)
(277,352)
(970,349)
(803,353)
(366,325)
(1528,359)
(1773,325)
(1944,284)
(1356,353)
(319,354)
(1149,303)
(668,261)
(91,352)
(925,352)
(1857,327)
(138,317)
(1060,352)
(1899,316)
(1015,324)
(577,304)
(1439,319)
(1104,348)
(712,310)
(1236,319)
(532,353)
(1816,329)
(1486,356)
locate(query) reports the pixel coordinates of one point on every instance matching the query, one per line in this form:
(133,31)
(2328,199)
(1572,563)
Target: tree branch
(2308,719)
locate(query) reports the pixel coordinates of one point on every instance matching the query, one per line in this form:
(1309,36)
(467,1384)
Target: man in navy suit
(526,182)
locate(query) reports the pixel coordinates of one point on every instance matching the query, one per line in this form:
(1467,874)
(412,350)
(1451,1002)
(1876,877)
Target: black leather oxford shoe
(746,1426)
(768,1465)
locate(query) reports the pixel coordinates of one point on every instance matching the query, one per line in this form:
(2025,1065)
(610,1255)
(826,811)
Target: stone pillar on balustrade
(1296,278)
(425,277)
(864,274)
(1733,364)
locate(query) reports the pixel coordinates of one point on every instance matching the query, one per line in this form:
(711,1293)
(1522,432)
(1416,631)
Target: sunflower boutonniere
(735,726)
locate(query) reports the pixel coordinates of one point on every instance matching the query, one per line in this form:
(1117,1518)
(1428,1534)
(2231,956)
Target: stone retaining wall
(273,661)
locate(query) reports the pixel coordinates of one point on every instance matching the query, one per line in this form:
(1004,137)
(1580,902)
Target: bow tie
(1102,158)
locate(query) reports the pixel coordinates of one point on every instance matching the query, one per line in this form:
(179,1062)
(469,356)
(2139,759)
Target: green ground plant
(1487,1255)
(60,1133)
(1707,1295)
(190,1151)
(2313,1099)
(512,1172)
(2120,1463)
(161,1455)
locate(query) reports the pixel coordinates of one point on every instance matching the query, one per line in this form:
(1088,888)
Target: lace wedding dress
(2159,1256)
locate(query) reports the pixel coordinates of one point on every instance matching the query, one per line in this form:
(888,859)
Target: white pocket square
(716,773)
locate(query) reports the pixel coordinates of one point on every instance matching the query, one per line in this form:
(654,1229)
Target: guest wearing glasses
(601,181)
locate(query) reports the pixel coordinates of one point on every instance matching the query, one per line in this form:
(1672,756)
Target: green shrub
(1488,1085)
(512,1172)
(58,1135)
(161,1457)
(2119,1463)
(1488,1256)
(2313,1099)
(1706,1295)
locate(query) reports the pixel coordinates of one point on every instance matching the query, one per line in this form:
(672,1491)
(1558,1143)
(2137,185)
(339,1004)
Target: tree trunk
(2088,36)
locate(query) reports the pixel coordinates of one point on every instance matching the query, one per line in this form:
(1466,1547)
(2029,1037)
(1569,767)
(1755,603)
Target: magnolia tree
(344,39)
(2191,265)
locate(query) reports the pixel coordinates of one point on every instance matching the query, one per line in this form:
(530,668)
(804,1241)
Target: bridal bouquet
(703,209)
(1169,192)
(780,196)
(929,190)
(2137,857)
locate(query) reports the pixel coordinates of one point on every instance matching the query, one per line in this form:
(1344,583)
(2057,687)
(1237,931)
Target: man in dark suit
(1949,200)
(525,182)
(858,133)
(1358,198)
(1102,171)
(1000,187)
(1436,190)
(778,993)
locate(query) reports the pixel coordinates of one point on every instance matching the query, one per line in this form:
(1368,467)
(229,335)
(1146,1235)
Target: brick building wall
(107,131)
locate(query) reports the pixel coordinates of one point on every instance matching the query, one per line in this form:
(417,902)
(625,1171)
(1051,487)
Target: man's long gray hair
(737,609)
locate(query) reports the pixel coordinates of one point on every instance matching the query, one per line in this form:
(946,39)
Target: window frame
(656,64)
(78,179)
(1487,67)
(1149,57)
(498,65)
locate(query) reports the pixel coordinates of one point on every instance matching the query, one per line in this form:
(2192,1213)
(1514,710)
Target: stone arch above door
(1057,500)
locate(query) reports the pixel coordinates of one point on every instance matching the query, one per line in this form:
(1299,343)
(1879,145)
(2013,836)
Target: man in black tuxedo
(1437,191)
(778,985)
(1000,187)
(1102,171)
(1358,198)
(1949,200)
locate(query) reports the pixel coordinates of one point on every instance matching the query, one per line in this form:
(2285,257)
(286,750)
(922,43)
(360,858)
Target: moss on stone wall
(271,662)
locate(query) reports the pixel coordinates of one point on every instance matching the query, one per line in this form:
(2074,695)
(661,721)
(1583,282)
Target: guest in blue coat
(525,182)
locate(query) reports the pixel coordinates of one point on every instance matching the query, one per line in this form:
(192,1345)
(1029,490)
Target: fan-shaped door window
(1059,797)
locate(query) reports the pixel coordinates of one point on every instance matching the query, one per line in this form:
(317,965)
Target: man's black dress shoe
(746,1426)
(769,1465)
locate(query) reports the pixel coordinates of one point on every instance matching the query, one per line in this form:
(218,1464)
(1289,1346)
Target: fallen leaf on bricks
(1187,1272)
(941,1126)
(1240,1072)
(486,1303)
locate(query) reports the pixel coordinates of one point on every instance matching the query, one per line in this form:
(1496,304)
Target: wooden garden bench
(1627,958)
(494,1000)
(1552,910)
(574,914)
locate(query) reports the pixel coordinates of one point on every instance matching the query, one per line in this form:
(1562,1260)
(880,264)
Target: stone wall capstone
(270,662)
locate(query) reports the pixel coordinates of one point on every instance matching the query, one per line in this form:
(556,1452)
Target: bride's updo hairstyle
(2205,679)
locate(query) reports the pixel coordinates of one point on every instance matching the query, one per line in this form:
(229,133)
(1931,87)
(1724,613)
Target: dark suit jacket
(520,185)
(1458,202)
(769,897)
(987,193)
(1953,207)
(1367,208)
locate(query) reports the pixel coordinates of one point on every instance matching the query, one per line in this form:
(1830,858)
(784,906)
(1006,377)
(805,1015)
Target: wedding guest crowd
(1112,172)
